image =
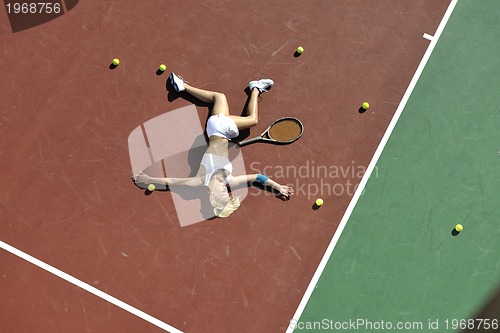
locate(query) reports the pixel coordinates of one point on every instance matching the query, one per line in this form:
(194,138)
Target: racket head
(285,130)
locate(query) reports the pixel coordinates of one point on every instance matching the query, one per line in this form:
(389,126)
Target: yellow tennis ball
(319,202)
(365,105)
(151,187)
(163,67)
(300,49)
(459,227)
(116,61)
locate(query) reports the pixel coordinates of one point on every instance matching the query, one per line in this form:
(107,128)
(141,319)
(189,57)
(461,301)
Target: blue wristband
(262,179)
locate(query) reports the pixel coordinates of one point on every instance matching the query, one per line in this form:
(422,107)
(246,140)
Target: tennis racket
(283,131)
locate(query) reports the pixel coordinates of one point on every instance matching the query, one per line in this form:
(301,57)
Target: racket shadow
(275,143)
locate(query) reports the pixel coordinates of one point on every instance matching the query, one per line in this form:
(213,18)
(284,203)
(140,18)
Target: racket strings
(285,130)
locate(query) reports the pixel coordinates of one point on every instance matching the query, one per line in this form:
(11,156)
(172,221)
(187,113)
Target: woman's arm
(145,179)
(283,189)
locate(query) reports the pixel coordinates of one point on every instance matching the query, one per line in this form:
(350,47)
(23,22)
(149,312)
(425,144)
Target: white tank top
(213,163)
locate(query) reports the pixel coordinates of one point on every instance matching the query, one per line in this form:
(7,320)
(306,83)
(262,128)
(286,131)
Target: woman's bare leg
(252,117)
(217,99)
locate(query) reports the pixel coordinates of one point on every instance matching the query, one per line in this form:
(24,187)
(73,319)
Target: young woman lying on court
(215,168)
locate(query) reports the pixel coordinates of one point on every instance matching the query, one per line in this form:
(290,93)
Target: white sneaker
(177,82)
(263,85)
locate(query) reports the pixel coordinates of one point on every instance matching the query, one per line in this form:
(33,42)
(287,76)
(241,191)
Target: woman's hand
(142,178)
(285,191)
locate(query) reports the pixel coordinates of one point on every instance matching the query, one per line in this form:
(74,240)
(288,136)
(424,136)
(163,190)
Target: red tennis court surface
(65,117)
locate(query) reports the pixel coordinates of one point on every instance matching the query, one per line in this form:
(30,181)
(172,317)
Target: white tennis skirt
(223,126)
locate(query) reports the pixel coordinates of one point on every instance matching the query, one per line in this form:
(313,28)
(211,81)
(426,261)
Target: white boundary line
(88,288)
(428,37)
(371,166)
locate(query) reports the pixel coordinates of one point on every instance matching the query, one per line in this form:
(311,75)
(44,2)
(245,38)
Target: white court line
(429,37)
(89,288)
(369,170)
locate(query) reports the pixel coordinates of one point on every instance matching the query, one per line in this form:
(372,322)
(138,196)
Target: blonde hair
(222,207)
(223,204)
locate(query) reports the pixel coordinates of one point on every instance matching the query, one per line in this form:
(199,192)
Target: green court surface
(397,260)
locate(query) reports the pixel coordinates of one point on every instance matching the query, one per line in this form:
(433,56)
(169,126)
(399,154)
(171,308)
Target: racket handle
(246,142)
